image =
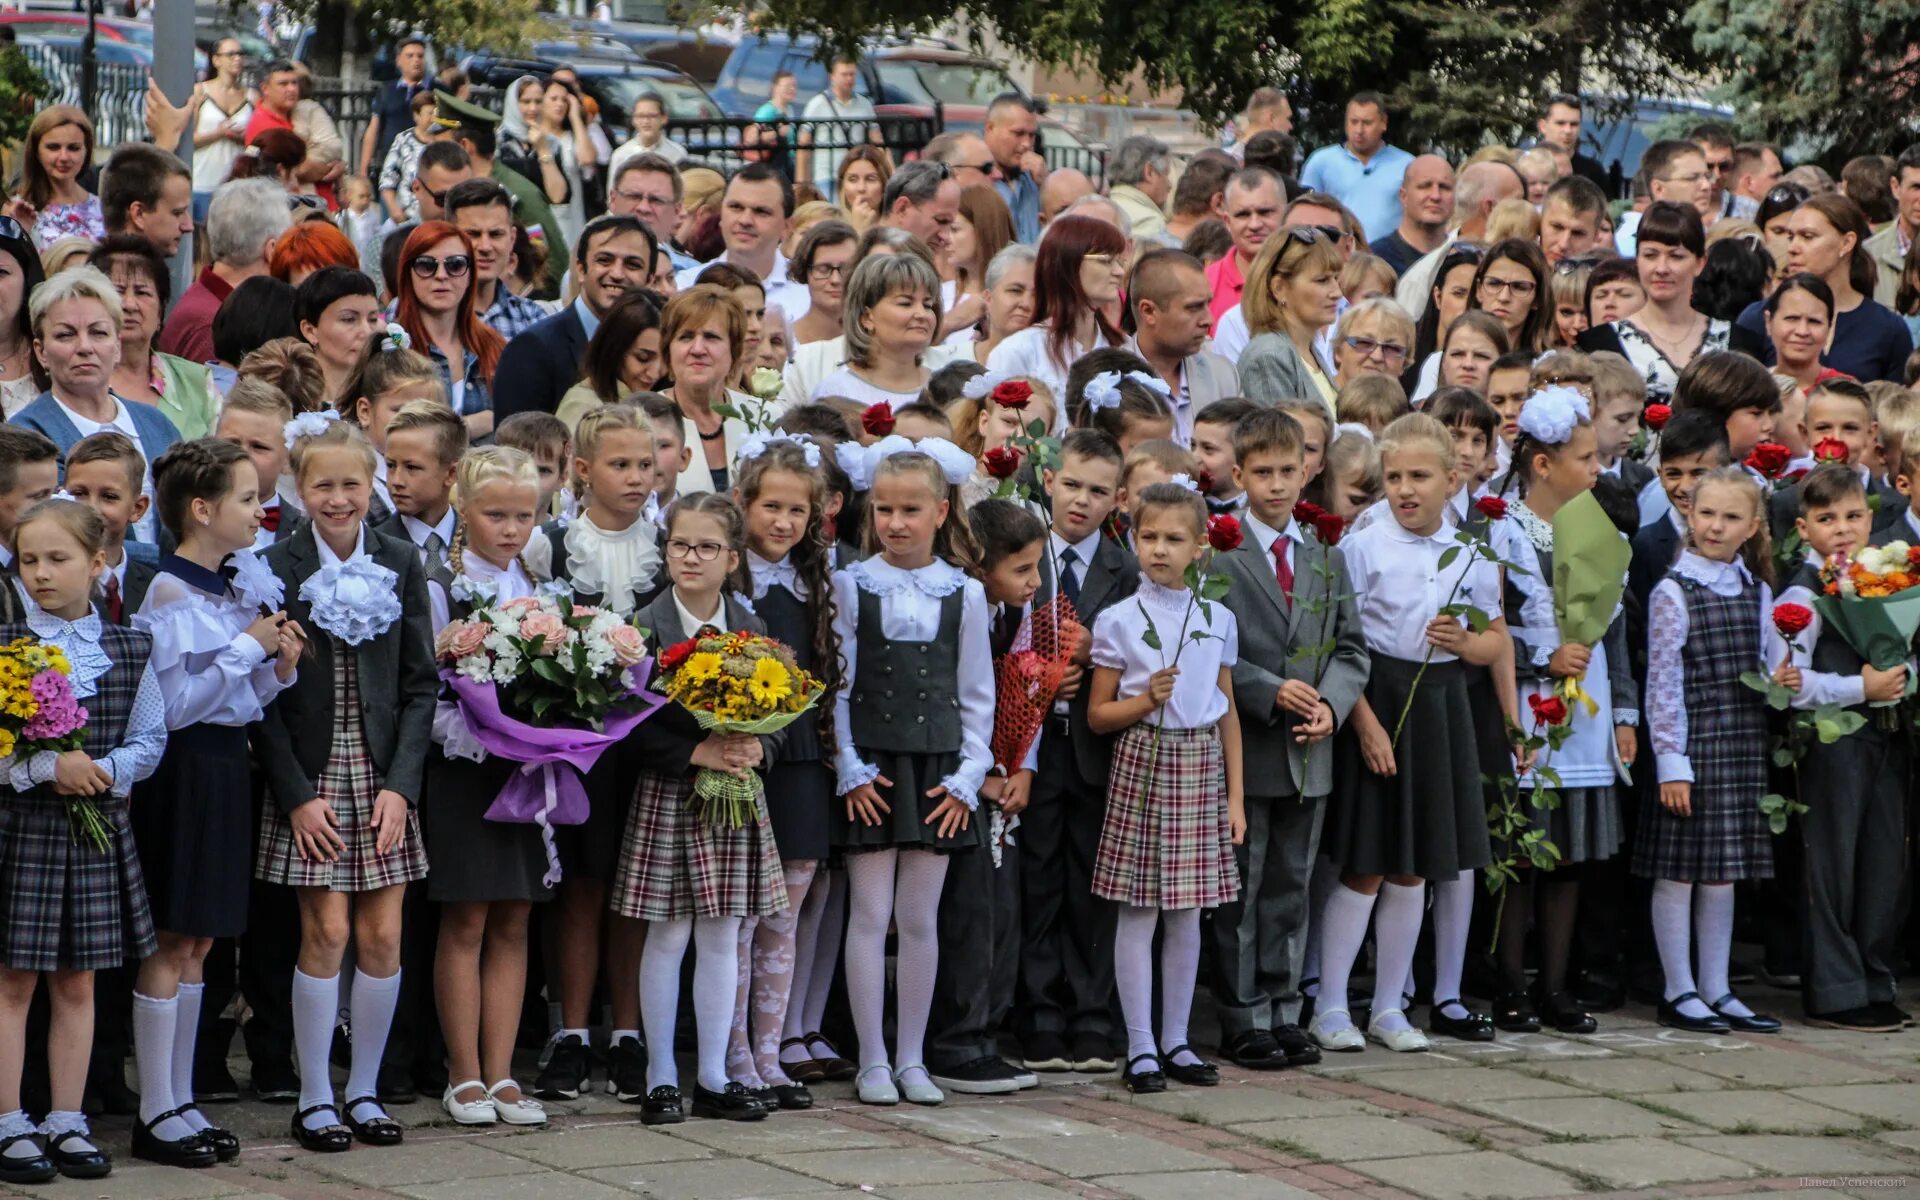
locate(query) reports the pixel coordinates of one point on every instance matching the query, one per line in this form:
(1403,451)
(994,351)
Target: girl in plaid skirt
(1704,829)
(67,907)
(1162,679)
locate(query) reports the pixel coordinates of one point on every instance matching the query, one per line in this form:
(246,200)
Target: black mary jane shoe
(1513,1012)
(382,1130)
(224,1143)
(194,1150)
(731,1103)
(91,1163)
(794,1097)
(1474,1027)
(767,1098)
(38,1168)
(1671,1016)
(1200,1074)
(1564,1013)
(1144,1083)
(663,1106)
(1757,1023)
(328,1139)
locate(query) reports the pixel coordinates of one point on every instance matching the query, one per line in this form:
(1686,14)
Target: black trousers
(268,952)
(979,954)
(1855,831)
(1066,968)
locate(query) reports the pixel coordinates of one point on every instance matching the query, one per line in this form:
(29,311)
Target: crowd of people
(929,419)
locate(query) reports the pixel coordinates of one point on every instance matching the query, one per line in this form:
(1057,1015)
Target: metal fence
(734,141)
(119,110)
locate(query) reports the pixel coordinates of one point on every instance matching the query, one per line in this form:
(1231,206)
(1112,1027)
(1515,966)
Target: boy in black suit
(425,441)
(254,417)
(29,473)
(105,472)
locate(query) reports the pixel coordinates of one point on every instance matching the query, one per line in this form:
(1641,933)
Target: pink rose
(524,604)
(547,627)
(584,610)
(629,645)
(459,639)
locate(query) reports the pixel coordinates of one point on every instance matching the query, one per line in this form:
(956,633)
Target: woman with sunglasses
(52,204)
(219,124)
(1371,338)
(435,307)
(1773,215)
(1293,292)
(21,376)
(1511,283)
(1077,273)
(1452,289)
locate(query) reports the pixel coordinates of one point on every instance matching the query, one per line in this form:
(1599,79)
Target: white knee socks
(315,1002)
(1343,926)
(186,1034)
(153,1035)
(660,996)
(1452,915)
(1133,978)
(1396,928)
(1179,969)
(371,1015)
(1672,918)
(715,978)
(1713,936)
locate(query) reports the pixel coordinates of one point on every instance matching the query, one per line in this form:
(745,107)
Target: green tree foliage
(452,25)
(22,90)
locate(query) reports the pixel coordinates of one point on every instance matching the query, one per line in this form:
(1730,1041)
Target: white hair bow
(1152,383)
(981,386)
(1183,480)
(956,465)
(1352,429)
(755,444)
(396,338)
(308,424)
(1103,391)
(1551,414)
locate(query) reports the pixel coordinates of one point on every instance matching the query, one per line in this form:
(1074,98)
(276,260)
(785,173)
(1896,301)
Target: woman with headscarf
(523,147)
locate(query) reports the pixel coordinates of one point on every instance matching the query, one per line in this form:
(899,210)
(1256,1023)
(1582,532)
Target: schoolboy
(1619,397)
(922,420)
(425,441)
(1736,391)
(1837,411)
(29,473)
(1213,449)
(1156,461)
(105,472)
(1316,433)
(546,440)
(670,451)
(1509,383)
(1290,598)
(1692,445)
(1372,401)
(1066,971)
(254,417)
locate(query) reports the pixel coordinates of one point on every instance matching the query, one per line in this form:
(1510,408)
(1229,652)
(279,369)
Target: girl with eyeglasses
(436,309)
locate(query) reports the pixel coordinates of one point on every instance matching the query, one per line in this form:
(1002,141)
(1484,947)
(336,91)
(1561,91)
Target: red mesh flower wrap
(1026,681)
(877,420)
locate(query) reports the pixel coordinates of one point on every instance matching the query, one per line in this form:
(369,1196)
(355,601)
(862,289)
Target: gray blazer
(1272,633)
(1271,370)
(1112,576)
(1209,377)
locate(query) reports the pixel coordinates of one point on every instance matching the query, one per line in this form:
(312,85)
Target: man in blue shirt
(1011,127)
(393,111)
(1365,173)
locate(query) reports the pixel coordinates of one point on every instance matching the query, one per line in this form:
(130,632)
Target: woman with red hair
(1080,266)
(435,307)
(309,246)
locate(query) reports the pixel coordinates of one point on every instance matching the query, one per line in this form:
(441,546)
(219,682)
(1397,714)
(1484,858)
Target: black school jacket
(398,681)
(1112,576)
(671,734)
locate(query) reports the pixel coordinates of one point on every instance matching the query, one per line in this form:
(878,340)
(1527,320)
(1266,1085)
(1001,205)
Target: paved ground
(1632,1109)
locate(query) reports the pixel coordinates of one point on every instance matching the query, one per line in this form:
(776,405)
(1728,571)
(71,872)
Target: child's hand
(1237,819)
(1446,633)
(75,774)
(1523,758)
(1317,727)
(1569,660)
(1160,685)
(1016,793)
(1626,743)
(1376,749)
(864,803)
(1884,685)
(266,631)
(316,831)
(951,815)
(1677,798)
(723,752)
(291,645)
(994,786)
(1788,676)
(1070,680)
(1297,697)
(744,751)
(389,820)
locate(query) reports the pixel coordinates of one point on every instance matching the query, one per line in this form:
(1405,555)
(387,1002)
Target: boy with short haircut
(545,439)
(922,420)
(1897,417)
(1066,970)
(29,473)
(254,417)
(425,441)
(670,451)
(1509,383)
(1619,397)
(1290,598)
(1853,830)
(1838,413)
(105,472)
(1213,450)
(1905,526)
(1374,401)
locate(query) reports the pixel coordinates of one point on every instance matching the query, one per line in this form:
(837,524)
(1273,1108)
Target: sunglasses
(1568,266)
(296,203)
(11,230)
(1786,193)
(427,266)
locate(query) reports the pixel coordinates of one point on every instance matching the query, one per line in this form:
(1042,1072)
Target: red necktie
(1283,570)
(270,519)
(116,609)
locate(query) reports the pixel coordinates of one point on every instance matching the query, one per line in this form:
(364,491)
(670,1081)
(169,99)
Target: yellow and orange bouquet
(1872,599)
(38,712)
(735,683)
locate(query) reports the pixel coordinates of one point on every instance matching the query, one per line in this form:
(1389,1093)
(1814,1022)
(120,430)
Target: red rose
(1001,462)
(1550,710)
(1490,507)
(1328,527)
(1307,512)
(1769,458)
(1657,415)
(877,420)
(1223,532)
(1795,475)
(1791,619)
(673,656)
(1014,393)
(1829,449)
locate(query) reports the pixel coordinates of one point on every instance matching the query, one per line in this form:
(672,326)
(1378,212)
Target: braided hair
(812,559)
(478,468)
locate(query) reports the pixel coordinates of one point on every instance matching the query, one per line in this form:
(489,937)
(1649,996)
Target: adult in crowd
(527,149)
(751,295)
(219,122)
(1888,248)
(21,376)
(52,203)
(1061,190)
(1011,127)
(145,190)
(1171,315)
(1452,290)
(1267,109)
(753,221)
(1254,201)
(537,367)
(258,311)
(1331,218)
(282,111)
(623,357)
(482,210)
(393,107)
(1479,189)
(1426,207)
(441,167)
(1293,292)
(1756,168)
(1676,170)
(923,199)
(276,155)
(435,306)
(855,122)
(339,310)
(1140,181)
(1364,172)
(1198,195)
(309,246)
(326,151)
(778,112)
(1828,237)
(891,316)
(704,332)
(823,262)
(983,228)
(1511,284)
(1570,219)
(649,121)
(1799,318)
(1716,150)
(244,222)
(1775,218)
(861,187)
(1077,274)
(966,155)
(650,188)
(402,162)
(478,136)
(1867,180)
(563,120)
(1373,337)
(180,389)
(1559,125)
(1009,281)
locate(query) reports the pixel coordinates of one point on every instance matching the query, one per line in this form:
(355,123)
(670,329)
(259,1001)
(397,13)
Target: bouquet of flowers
(1026,681)
(1872,599)
(38,712)
(546,684)
(735,683)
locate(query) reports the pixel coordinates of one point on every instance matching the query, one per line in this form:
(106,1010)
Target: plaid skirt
(1724,839)
(65,906)
(1171,845)
(349,783)
(674,866)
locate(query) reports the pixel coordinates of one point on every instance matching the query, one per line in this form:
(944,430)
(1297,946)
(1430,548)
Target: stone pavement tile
(1379,1059)
(1235,1106)
(145,1181)
(1588,1116)
(1471,1177)
(1753,1112)
(1015,1189)
(1457,1085)
(789,1133)
(1345,1139)
(1796,1156)
(714,1179)
(1906,1138)
(1632,1074)
(1214,1185)
(877,1168)
(1109,1154)
(1784,1068)
(1894,1103)
(1637,1162)
(582,1148)
(435,1161)
(514,1187)
(964,1125)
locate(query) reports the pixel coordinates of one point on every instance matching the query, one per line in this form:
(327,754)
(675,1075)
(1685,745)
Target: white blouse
(1025,353)
(1400,587)
(145,738)
(1666,668)
(210,671)
(1816,687)
(617,566)
(1119,644)
(910,603)
(845,383)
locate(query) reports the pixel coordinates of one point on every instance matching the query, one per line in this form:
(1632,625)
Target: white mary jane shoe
(1404,1041)
(524,1111)
(918,1088)
(1346,1039)
(875,1086)
(468,1112)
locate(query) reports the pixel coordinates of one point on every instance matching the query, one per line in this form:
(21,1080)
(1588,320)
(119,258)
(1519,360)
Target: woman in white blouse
(1078,271)
(892,314)
(703,331)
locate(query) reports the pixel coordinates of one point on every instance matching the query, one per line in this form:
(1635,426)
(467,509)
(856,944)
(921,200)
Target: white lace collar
(1538,529)
(876,576)
(1720,578)
(481,581)
(355,599)
(1166,599)
(81,642)
(769,574)
(616,566)
(254,581)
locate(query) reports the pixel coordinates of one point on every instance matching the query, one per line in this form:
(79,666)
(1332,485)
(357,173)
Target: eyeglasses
(1332,233)
(296,203)
(1100,258)
(1513,287)
(1568,266)
(1366,347)
(1306,235)
(426,266)
(229,54)
(704,551)
(985,168)
(821,272)
(439,198)
(647,198)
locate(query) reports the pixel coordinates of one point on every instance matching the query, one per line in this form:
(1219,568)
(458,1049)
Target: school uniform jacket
(1271,632)
(1112,576)
(661,619)
(397,679)
(133,589)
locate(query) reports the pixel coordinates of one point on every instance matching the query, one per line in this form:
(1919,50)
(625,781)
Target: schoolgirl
(1409,809)
(912,725)
(1703,829)
(1175,804)
(66,908)
(223,648)
(688,878)
(1116,392)
(390,377)
(492,872)
(342,752)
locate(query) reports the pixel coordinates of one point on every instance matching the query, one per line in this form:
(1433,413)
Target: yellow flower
(701,666)
(770,683)
(6,742)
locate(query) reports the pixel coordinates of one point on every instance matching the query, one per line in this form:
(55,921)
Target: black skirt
(590,851)
(904,826)
(472,860)
(800,803)
(1429,818)
(193,825)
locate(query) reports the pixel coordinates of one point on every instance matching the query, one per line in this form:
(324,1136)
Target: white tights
(714,966)
(1133,974)
(901,887)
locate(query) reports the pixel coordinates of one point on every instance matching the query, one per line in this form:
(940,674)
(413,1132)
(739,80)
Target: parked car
(699,53)
(614,86)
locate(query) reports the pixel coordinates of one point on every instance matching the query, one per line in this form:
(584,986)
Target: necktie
(270,519)
(1006,627)
(1283,570)
(436,549)
(1069,578)
(116,607)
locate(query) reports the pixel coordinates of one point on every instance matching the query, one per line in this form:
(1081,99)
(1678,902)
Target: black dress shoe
(1757,1023)
(224,1143)
(1254,1049)
(36,1168)
(1889,1009)
(395,1085)
(1144,1083)
(379,1130)
(212,1081)
(110,1096)
(1200,1074)
(1870,1019)
(274,1081)
(1474,1027)
(193,1150)
(794,1097)
(1513,1012)
(662,1106)
(765,1095)
(1297,1045)
(1564,1013)
(89,1163)
(328,1139)
(1046,1052)
(1673,1018)
(731,1103)
(1092,1053)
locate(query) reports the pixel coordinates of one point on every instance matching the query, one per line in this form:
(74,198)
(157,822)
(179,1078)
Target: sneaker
(1093,1054)
(1025,1078)
(987,1076)
(627,1071)
(275,1082)
(566,1071)
(1868,1019)
(1046,1052)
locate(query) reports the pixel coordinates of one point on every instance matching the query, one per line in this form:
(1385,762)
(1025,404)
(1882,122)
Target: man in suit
(1171,298)
(615,255)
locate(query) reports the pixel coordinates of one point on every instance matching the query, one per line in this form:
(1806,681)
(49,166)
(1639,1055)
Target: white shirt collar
(690,623)
(1267,535)
(328,557)
(1083,550)
(1715,575)
(122,420)
(1442,536)
(418,530)
(767,574)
